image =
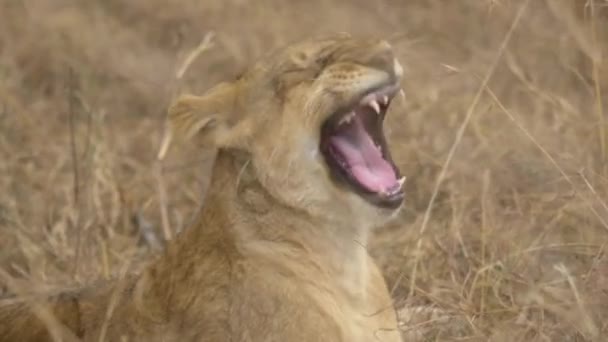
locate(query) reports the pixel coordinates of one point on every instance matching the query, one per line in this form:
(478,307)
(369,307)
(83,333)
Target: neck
(240,210)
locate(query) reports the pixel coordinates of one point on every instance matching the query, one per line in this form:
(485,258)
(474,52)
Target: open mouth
(355,150)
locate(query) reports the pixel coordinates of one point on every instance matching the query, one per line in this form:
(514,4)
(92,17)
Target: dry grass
(504,141)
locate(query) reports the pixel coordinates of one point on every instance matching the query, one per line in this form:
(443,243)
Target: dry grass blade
(163,201)
(459,135)
(206,44)
(549,157)
(587,322)
(116,293)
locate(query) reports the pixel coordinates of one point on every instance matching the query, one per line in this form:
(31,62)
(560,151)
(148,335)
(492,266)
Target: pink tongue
(364,159)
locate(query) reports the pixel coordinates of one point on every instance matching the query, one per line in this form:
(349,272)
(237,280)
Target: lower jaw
(389,203)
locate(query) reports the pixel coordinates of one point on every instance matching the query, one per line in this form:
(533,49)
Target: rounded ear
(207,116)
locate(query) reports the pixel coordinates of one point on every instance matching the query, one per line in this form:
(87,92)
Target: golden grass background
(514,246)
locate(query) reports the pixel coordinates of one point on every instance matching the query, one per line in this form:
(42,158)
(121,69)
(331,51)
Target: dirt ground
(503,137)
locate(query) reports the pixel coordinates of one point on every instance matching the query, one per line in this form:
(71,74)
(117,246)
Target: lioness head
(311,118)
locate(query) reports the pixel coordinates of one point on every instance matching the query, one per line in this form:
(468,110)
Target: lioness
(277,253)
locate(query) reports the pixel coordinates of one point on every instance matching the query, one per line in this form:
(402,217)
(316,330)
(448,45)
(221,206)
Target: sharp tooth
(375,106)
(401,181)
(385,100)
(391,191)
(402,93)
(347,118)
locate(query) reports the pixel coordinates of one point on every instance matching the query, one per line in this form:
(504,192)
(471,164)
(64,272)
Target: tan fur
(277,252)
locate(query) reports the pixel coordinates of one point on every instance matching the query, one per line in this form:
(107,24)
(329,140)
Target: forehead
(319,52)
(303,61)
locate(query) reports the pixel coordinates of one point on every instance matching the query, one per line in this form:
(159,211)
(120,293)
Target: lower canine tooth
(392,190)
(385,100)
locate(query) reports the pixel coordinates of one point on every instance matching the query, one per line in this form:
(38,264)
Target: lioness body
(277,252)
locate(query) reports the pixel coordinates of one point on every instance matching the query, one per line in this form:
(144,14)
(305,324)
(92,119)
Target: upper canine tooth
(401,181)
(375,106)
